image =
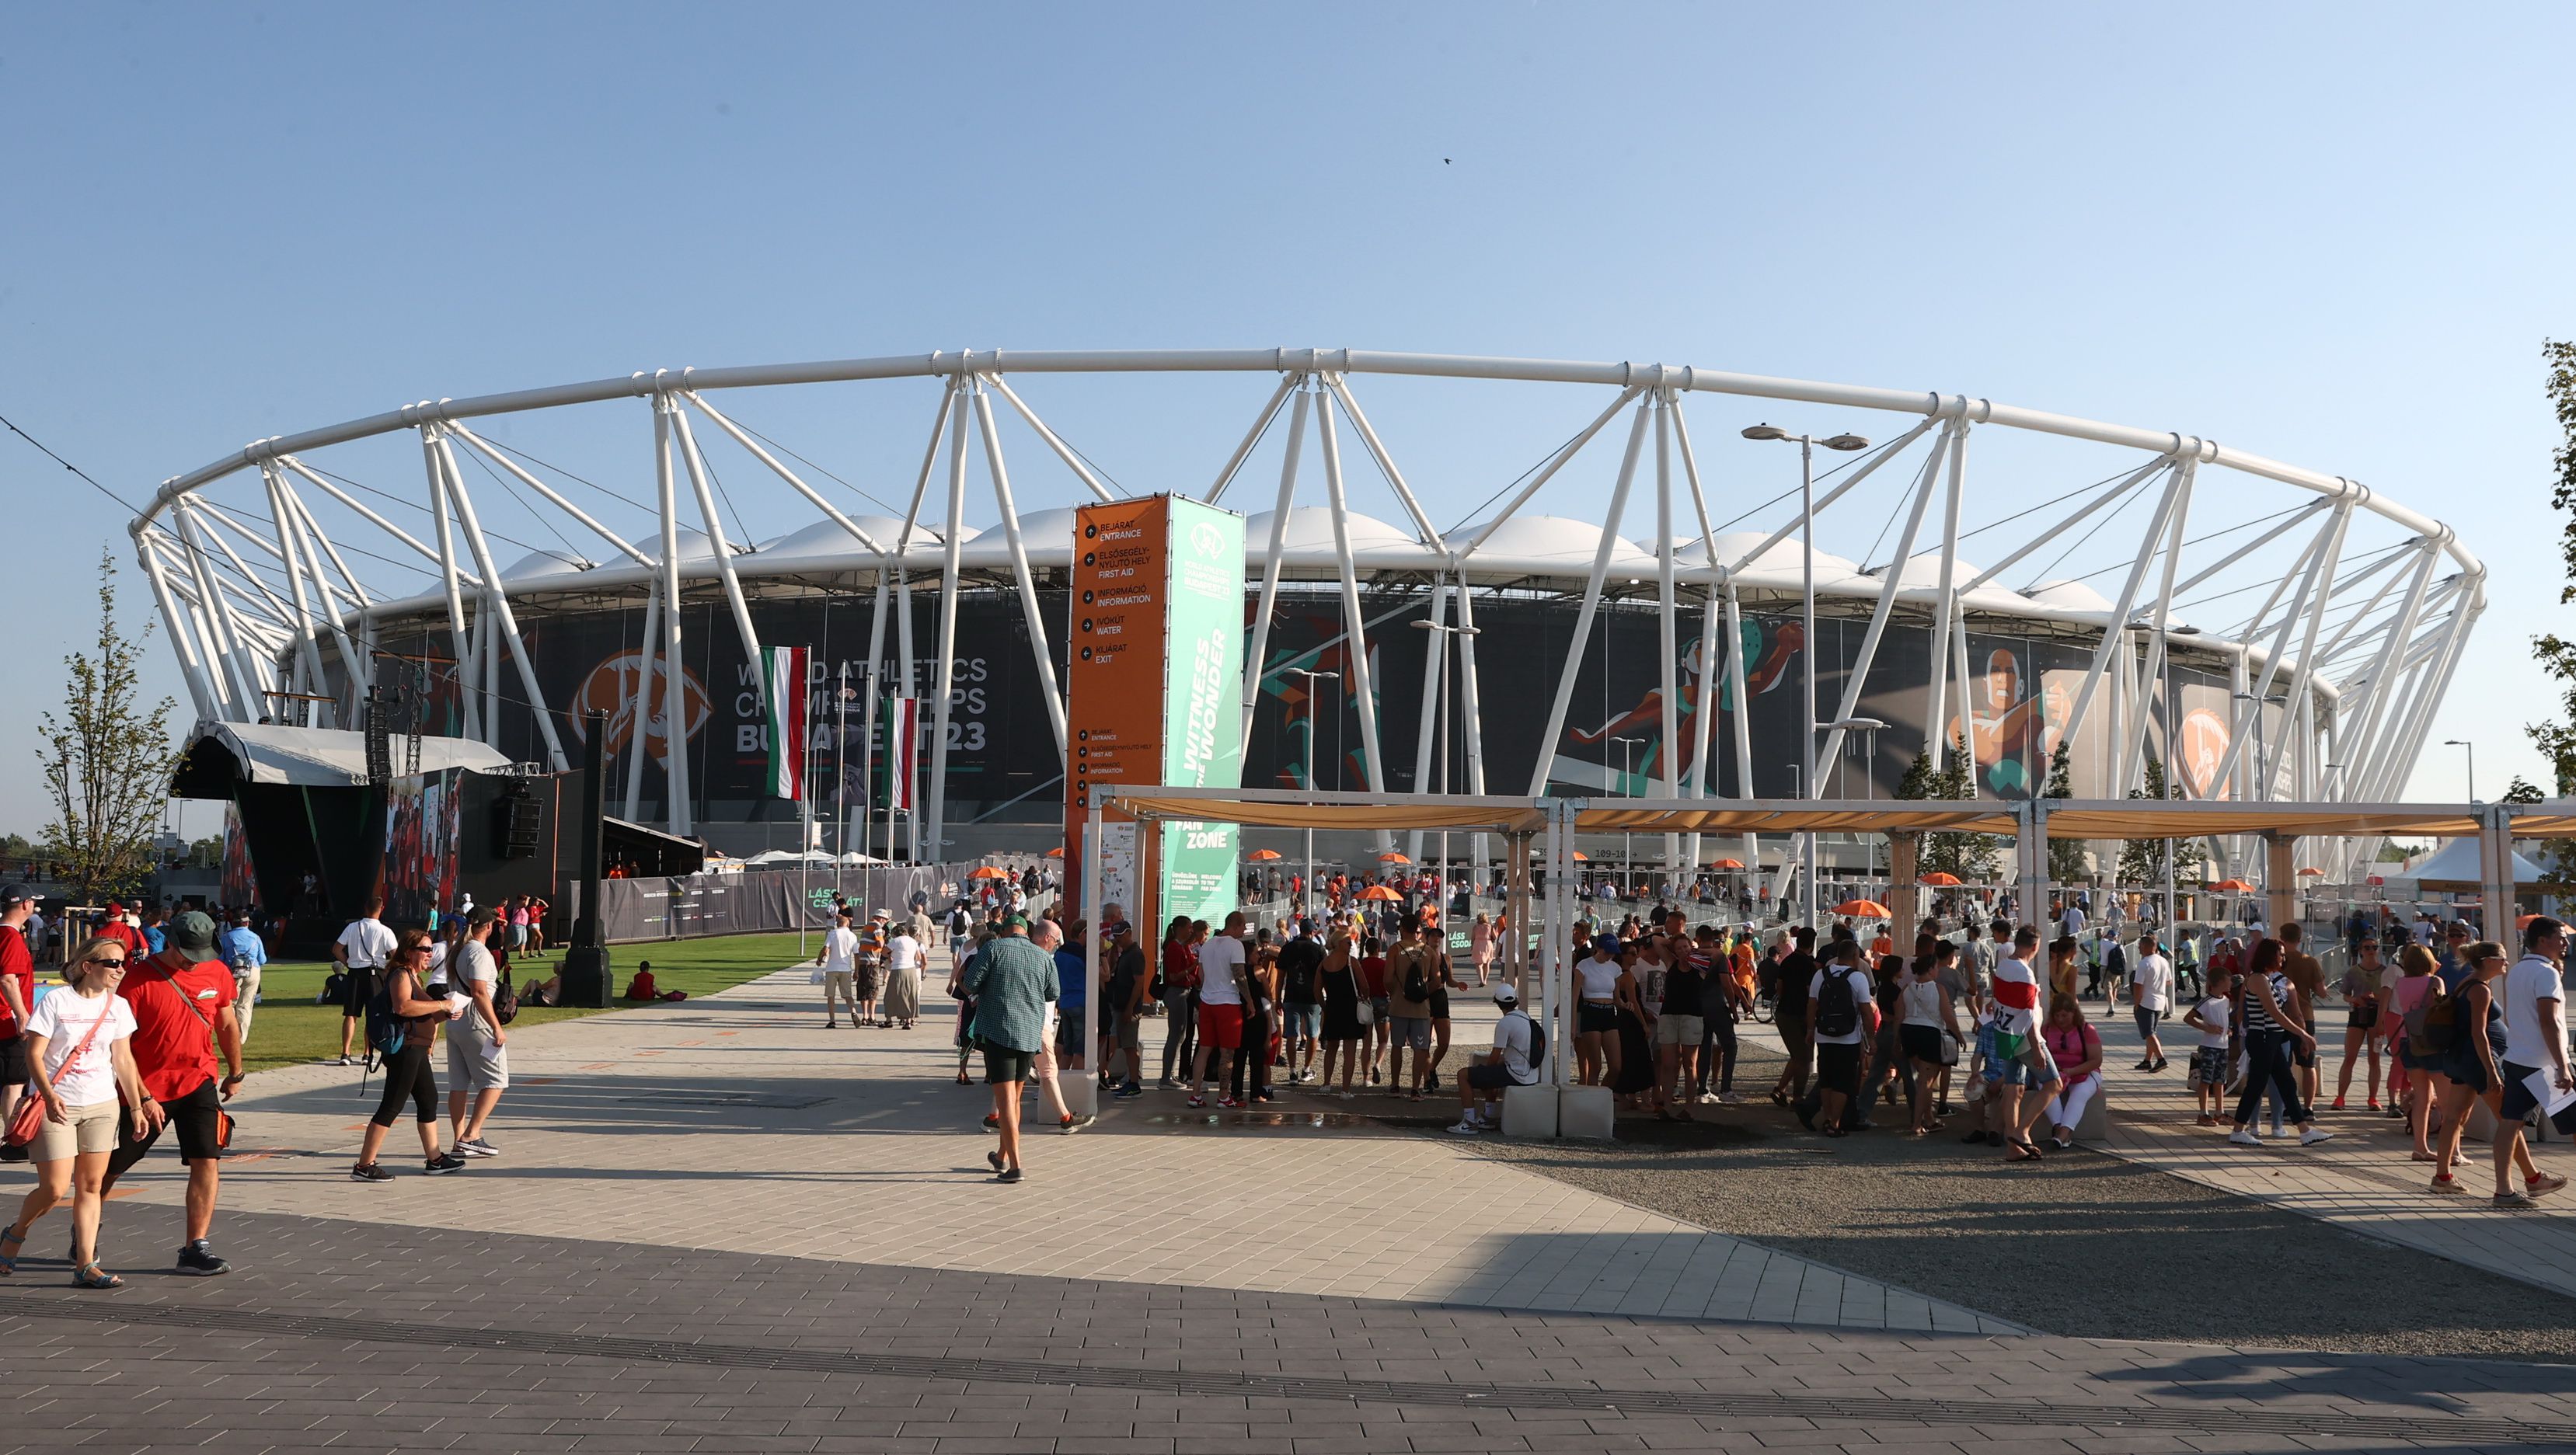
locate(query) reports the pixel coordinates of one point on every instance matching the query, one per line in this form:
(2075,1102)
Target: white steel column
(1470,709)
(1020,567)
(477,444)
(681,812)
(1741,726)
(1591,607)
(246,699)
(2161,622)
(936,821)
(2249,713)
(1858,682)
(464,642)
(310,541)
(639,706)
(200,695)
(717,545)
(1435,653)
(812,496)
(874,685)
(1255,659)
(2306,669)
(497,601)
(1555,462)
(1356,626)
(1946,606)
(911,689)
(1251,437)
(1668,650)
(307,652)
(2151,543)
(1063,451)
(345,498)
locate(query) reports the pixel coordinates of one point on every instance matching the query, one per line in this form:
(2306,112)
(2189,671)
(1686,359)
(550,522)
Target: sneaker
(1072,1124)
(1008,1174)
(831,1025)
(2374,1103)
(992,1121)
(1465,1129)
(2447,1183)
(1229,1104)
(2244,1137)
(2510,1200)
(2338,1104)
(1127,1092)
(1197,1101)
(2144,1066)
(369,1172)
(199,1261)
(443,1163)
(2543,1185)
(477,1147)
(1166,1084)
(2314,1135)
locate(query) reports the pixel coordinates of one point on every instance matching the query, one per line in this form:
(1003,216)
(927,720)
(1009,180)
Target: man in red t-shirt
(182,1000)
(115,928)
(17,993)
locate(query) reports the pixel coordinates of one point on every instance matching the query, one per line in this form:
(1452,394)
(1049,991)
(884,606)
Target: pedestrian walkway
(737,1123)
(2364,1180)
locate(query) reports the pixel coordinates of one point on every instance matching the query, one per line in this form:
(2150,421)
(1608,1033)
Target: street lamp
(1627,841)
(1311,724)
(1440,694)
(1868,726)
(2473,762)
(1807,572)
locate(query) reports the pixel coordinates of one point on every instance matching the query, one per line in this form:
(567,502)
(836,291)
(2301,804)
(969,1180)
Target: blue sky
(2333,235)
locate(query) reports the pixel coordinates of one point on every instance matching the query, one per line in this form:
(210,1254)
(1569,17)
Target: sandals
(1779,1098)
(2023,1152)
(90,1275)
(12,1243)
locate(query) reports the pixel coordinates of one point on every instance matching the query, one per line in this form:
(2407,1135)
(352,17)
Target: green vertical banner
(1202,702)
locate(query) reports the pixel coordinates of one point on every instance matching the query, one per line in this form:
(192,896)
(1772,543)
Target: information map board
(1154,685)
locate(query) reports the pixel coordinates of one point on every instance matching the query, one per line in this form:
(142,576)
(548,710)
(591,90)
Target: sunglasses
(118,962)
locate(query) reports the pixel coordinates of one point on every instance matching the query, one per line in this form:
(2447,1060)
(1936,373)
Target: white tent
(2456,862)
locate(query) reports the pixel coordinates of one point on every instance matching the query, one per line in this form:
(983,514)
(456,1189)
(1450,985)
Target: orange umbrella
(1726,864)
(2233,886)
(1056,853)
(1582,856)
(1939,876)
(1263,854)
(1862,909)
(1392,857)
(989,872)
(2312,873)
(1380,891)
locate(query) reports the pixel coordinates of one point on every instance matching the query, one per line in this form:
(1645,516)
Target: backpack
(1837,1010)
(1538,1044)
(1416,986)
(2434,1023)
(386,1033)
(505,1000)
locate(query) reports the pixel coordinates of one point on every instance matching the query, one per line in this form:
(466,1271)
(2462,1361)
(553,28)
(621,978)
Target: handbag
(28,1121)
(1365,1012)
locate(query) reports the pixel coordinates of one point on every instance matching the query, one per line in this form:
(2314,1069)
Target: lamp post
(1627,841)
(1868,727)
(2473,762)
(1807,592)
(1312,724)
(1442,634)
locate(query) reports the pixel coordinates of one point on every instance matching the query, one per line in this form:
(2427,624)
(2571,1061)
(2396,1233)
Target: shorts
(1301,1022)
(836,986)
(2363,1017)
(518,936)
(2147,1019)
(2465,1071)
(1221,1026)
(357,985)
(475,1062)
(92,1129)
(1411,1030)
(1681,1030)
(13,1061)
(2002,1052)
(198,1118)
(2518,1100)
(1596,1017)
(1439,1004)
(1486,1076)
(2209,1067)
(2305,1055)
(1381,1009)
(1838,1067)
(1068,1035)
(1921,1043)
(1006,1065)
(1130,1032)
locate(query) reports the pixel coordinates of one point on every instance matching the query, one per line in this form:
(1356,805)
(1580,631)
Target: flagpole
(840,774)
(804,813)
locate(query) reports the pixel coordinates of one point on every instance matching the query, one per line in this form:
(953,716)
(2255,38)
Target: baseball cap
(192,933)
(1015,921)
(14,895)
(879,914)
(1505,995)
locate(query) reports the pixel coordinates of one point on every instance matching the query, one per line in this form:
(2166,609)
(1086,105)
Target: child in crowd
(2209,1058)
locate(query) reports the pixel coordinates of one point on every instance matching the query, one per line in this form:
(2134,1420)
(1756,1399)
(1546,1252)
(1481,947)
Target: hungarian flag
(782,692)
(903,734)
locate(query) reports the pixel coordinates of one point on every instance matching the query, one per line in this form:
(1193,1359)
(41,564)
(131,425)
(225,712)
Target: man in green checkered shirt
(1014,987)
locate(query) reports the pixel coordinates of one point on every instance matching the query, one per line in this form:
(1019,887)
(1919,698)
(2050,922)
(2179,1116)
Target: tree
(107,762)
(2522,790)
(2142,860)
(2557,740)
(2065,856)
(1970,856)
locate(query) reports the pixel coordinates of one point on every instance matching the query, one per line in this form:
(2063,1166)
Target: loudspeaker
(516,820)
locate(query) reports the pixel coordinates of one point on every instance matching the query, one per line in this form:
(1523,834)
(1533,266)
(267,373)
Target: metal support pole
(1668,649)
(497,602)
(1356,624)
(937,818)
(182,638)
(1047,690)
(912,690)
(1590,608)
(679,811)
(1254,661)
(717,545)
(464,644)
(639,709)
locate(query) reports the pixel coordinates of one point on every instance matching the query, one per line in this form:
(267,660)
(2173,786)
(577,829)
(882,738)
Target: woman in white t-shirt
(81,1063)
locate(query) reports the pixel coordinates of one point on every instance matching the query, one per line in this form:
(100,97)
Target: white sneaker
(1465,1129)
(2314,1135)
(2244,1137)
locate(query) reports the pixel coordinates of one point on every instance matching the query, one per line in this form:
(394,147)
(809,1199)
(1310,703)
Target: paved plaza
(719,1226)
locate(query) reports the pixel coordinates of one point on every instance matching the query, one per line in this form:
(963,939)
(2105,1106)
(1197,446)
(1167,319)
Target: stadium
(1628,615)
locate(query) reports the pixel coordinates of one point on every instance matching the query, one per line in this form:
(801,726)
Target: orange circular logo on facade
(610,688)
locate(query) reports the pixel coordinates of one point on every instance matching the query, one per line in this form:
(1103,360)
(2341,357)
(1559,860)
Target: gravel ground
(2093,1246)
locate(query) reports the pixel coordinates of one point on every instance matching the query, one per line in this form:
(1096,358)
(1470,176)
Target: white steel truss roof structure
(2366,609)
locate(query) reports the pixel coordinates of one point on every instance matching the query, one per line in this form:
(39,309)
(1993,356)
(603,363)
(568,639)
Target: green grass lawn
(291,1030)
